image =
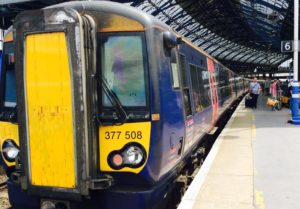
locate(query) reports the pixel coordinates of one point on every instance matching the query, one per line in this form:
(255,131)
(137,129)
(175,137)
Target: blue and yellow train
(102,106)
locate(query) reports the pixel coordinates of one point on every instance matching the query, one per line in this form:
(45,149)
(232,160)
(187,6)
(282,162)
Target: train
(103,106)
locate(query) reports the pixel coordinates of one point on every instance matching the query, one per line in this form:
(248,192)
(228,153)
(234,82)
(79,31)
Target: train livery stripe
(49,110)
(214,90)
(116,23)
(114,138)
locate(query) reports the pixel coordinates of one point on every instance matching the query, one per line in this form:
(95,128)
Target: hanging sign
(287,46)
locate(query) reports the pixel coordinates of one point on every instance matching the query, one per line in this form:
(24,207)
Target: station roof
(240,33)
(10,8)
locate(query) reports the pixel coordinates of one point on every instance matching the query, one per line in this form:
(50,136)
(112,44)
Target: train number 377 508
(111,135)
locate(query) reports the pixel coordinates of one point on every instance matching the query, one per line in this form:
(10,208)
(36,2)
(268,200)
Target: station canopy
(242,34)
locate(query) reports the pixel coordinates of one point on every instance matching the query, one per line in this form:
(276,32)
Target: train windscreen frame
(122,64)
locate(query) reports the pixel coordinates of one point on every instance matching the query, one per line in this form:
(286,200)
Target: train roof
(127,11)
(117,8)
(124,10)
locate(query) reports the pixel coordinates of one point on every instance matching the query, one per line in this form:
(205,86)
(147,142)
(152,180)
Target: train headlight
(132,155)
(10,150)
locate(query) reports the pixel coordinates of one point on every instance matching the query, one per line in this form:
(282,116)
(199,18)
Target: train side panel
(197,77)
(171,109)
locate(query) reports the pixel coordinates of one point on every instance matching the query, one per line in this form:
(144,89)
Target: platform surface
(254,164)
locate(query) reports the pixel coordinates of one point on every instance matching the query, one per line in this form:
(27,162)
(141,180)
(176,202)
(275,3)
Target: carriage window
(224,84)
(8,81)
(186,90)
(174,70)
(201,89)
(123,64)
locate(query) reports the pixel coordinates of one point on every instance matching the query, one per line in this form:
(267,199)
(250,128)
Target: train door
(189,121)
(172,114)
(51,101)
(214,89)
(232,84)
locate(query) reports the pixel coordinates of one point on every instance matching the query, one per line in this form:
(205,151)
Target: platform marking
(255,172)
(259,200)
(189,198)
(253,132)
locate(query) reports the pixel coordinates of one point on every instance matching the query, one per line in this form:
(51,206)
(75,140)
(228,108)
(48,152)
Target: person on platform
(254,90)
(273,89)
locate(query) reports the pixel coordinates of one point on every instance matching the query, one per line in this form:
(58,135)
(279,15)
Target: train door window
(185,87)
(174,70)
(183,70)
(224,83)
(206,98)
(196,83)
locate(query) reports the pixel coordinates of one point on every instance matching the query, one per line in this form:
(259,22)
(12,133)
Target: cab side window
(174,70)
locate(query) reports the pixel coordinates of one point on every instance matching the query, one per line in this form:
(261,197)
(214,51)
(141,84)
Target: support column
(295,85)
(1,39)
(1,47)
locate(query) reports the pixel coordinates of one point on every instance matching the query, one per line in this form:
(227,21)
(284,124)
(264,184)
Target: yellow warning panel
(116,23)
(114,138)
(49,110)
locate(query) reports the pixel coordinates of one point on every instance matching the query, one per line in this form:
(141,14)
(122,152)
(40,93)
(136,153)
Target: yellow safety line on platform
(259,200)
(253,129)
(253,132)
(255,172)
(253,117)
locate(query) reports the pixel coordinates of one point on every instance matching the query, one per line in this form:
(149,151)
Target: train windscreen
(123,67)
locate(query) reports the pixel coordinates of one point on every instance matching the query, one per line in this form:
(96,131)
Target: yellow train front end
(9,139)
(81,120)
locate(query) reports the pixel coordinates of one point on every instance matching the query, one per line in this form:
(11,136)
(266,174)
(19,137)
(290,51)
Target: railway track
(3,178)
(4,202)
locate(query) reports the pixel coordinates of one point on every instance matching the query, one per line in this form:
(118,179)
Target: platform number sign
(287,46)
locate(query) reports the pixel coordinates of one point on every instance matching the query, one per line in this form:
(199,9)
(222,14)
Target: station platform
(254,164)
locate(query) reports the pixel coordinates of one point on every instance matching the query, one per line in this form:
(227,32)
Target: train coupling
(54,204)
(104,182)
(16,177)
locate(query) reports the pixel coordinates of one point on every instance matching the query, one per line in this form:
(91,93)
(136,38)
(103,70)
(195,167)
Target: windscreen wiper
(121,114)
(10,116)
(13,115)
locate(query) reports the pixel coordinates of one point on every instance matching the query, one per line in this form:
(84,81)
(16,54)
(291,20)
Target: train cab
(9,139)
(112,103)
(91,118)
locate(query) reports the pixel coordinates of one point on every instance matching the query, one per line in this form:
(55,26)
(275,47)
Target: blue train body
(186,93)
